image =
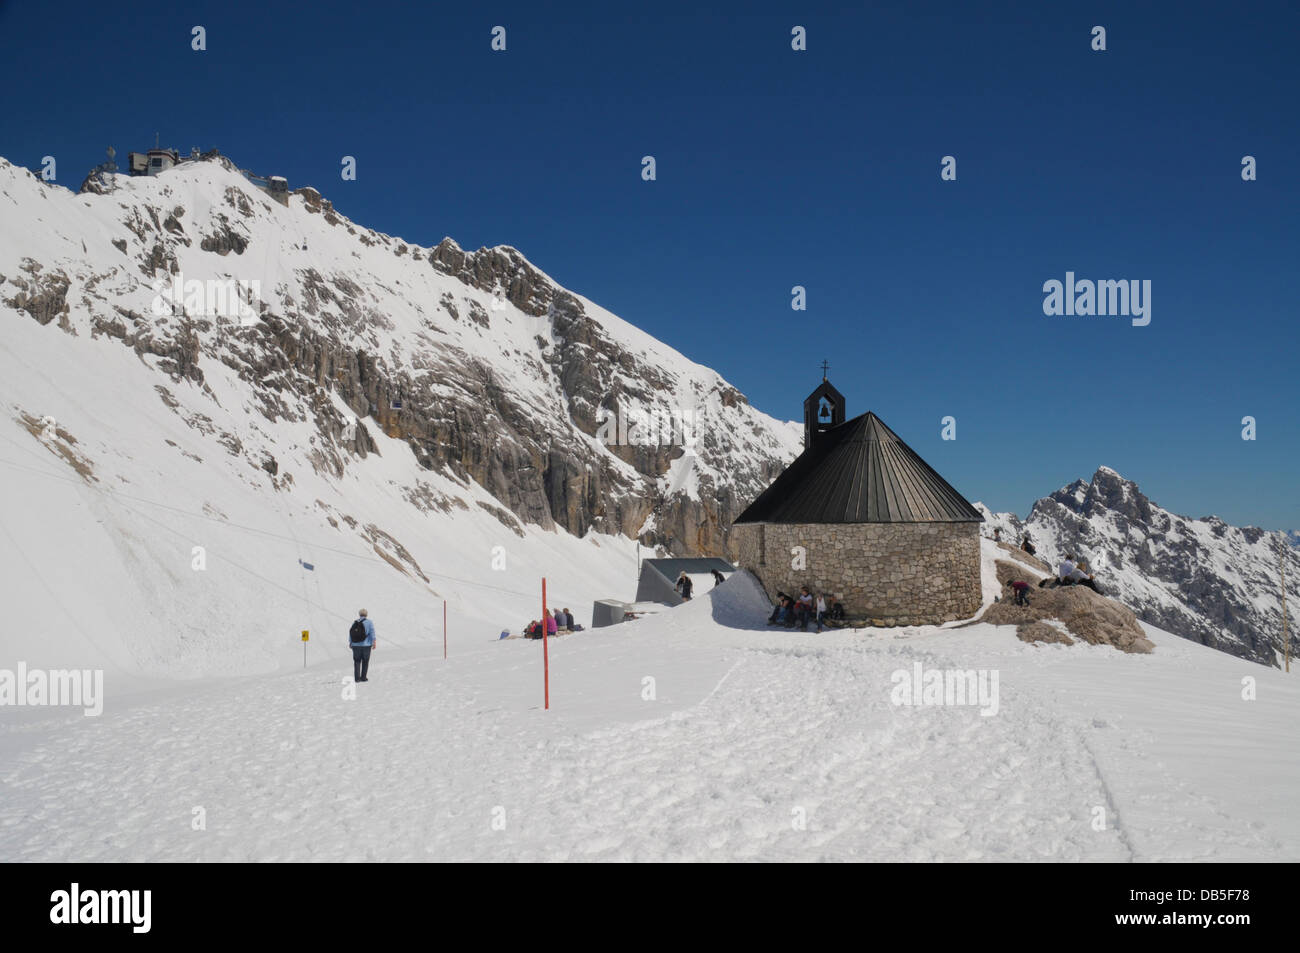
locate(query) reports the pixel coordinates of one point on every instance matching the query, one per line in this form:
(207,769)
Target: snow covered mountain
(1199,578)
(211,388)
(482,364)
(315,406)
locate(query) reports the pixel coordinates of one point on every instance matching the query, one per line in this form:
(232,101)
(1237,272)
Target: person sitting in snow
(559,619)
(821,611)
(837,611)
(781,611)
(1027,546)
(568,621)
(803,607)
(1022,591)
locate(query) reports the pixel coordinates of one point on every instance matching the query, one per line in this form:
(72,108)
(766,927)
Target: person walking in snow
(684,586)
(718,578)
(361,639)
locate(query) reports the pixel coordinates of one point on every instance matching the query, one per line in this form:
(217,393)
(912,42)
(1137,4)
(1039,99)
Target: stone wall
(885,573)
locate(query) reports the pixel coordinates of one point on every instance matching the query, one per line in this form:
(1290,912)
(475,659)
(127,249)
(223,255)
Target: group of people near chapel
(822,608)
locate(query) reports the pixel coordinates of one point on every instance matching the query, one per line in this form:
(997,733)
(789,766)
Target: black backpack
(358,632)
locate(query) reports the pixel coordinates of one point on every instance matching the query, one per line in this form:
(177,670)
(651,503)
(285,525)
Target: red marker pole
(546,658)
(444,628)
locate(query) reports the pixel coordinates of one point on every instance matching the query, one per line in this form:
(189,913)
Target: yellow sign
(304,635)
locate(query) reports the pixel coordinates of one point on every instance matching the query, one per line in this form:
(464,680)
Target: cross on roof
(825,368)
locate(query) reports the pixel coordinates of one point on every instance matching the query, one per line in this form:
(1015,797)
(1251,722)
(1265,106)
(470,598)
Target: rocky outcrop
(501,270)
(224,240)
(1056,615)
(43,294)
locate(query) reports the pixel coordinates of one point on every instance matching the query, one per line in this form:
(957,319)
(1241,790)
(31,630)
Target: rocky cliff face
(484,366)
(1199,578)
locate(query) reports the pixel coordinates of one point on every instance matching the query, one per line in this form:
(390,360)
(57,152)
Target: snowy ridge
(480,349)
(1199,578)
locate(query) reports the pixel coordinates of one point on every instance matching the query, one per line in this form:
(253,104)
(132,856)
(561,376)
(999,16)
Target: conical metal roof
(860,472)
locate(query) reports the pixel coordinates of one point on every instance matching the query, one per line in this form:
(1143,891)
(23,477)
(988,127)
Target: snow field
(757,745)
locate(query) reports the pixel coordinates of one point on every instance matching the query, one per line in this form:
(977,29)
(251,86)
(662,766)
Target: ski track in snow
(751,732)
(302,775)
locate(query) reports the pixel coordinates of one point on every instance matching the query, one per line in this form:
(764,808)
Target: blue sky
(779,168)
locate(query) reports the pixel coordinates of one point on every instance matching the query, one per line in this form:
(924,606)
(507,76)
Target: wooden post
(546,658)
(1286,638)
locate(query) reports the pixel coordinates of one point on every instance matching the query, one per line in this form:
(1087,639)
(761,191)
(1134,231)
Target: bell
(826,412)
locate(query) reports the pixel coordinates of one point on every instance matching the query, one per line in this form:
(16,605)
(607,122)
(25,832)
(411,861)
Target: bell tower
(823,410)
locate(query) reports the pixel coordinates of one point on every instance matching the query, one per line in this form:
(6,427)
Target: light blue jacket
(370,634)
